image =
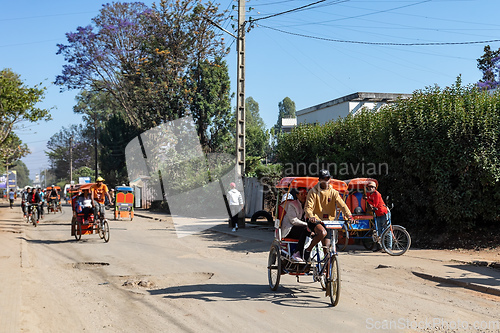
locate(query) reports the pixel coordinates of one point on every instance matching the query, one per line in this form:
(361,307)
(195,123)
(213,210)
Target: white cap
(287,196)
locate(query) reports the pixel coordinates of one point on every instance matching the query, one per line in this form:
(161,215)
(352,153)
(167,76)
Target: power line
(292,10)
(380,43)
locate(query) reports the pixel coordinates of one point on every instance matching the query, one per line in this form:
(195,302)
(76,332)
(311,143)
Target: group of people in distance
(37,197)
(91,200)
(306,210)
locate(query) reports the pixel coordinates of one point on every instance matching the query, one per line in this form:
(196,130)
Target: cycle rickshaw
(93,224)
(51,206)
(394,239)
(124,202)
(324,268)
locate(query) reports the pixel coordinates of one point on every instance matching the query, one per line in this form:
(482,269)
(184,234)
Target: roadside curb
(466,285)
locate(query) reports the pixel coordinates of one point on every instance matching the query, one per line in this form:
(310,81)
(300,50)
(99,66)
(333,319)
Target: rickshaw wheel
(78,230)
(368,243)
(274,267)
(401,240)
(105,230)
(333,281)
(343,238)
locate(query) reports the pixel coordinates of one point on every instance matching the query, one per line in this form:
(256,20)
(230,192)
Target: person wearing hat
(99,192)
(235,205)
(321,204)
(382,215)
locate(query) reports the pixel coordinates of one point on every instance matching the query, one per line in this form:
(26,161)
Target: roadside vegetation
(440,152)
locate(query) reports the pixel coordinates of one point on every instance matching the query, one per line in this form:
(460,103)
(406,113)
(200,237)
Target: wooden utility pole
(240,92)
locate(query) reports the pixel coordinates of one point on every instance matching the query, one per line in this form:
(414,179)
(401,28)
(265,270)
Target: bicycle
(323,268)
(32,214)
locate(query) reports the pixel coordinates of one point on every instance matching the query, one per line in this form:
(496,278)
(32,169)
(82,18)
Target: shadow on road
(492,280)
(300,296)
(232,242)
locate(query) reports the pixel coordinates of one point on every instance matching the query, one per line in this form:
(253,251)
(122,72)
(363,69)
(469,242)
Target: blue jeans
(383,222)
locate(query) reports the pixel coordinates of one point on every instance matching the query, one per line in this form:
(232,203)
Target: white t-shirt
(234,197)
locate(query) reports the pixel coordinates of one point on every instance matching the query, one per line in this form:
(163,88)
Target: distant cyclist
(99,192)
(53,197)
(34,200)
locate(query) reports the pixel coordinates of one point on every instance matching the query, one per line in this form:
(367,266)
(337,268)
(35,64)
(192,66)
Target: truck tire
(262,214)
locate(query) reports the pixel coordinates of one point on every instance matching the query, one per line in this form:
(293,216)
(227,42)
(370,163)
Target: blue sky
(300,61)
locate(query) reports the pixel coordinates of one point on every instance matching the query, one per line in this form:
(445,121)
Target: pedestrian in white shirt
(235,205)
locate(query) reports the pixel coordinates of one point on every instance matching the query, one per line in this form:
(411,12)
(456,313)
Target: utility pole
(71,160)
(95,143)
(240,92)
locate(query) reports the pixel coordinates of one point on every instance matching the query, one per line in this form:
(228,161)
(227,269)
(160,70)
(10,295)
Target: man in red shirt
(382,215)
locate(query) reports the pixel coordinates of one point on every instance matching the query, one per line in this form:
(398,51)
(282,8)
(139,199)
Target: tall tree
(257,136)
(59,152)
(286,109)
(209,88)
(23,174)
(114,137)
(11,151)
(142,57)
(488,65)
(17,103)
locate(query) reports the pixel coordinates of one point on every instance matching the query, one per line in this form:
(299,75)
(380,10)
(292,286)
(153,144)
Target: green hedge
(435,154)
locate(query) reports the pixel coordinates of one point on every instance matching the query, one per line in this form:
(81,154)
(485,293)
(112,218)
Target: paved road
(148,280)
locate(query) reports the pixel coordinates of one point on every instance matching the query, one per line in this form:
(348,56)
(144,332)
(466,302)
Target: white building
(343,106)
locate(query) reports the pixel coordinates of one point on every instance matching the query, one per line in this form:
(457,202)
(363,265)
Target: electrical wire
(380,43)
(290,10)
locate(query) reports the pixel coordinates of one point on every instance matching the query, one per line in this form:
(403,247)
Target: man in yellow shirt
(98,193)
(321,204)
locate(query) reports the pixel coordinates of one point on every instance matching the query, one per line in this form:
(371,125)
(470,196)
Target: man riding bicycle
(53,197)
(99,192)
(24,200)
(321,204)
(34,200)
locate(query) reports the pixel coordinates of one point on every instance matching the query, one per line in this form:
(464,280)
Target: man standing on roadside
(321,204)
(235,205)
(12,196)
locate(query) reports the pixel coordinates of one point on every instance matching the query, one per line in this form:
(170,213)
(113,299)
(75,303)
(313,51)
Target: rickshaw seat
(355,200)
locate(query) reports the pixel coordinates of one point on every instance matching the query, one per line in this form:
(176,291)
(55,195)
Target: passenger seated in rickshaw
(293,225)
(321,204)
(84,205)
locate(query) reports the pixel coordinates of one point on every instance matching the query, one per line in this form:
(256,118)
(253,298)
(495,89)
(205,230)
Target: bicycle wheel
(368,243)
(274,267)
(34,217)
(105,231)
(396,242)
(343,238)
(333,281)
(100,229)
(78,230)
